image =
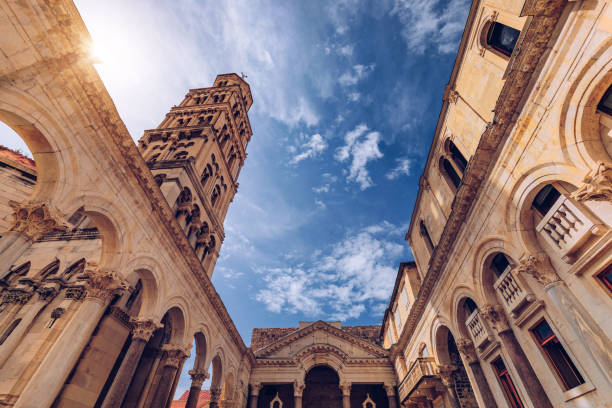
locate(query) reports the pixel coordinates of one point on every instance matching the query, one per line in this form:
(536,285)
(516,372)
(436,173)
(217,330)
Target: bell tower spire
(196,154)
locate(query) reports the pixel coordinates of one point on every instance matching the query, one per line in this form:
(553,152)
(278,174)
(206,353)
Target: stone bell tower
(196,154)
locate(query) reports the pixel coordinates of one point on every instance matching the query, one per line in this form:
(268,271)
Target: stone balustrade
(422,369)
(567,228)
(512,291)
(478,330)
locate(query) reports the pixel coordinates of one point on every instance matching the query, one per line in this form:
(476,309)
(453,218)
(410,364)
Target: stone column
(446,376)
(42,389)
(589,333)
(390,390)
(298,391)
(170,365)
(141,333)
(466,348)
(255,388)
(494,314)
(31,222)
(45,295)
(346,394)
(214,398)
(197,379)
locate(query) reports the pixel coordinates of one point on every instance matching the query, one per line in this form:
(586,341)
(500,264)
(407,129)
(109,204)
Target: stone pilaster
(255,388)
(346,394)
(298,392)
(197,379)
(141,333)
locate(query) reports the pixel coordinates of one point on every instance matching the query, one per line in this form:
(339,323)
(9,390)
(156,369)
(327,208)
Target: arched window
(13,274)
(8,331)
(215,195)
(426,237)
(545,199)
(450,173)
(469,306)
(502,38)
(457,157)
(499,263)
(75,269)
(50,269)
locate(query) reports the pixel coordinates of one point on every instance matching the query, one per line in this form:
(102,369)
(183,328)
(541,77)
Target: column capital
(255,388)
(48,292)
(596,185)
(539,267)
(101,283)
(466,348)
(35,219)
(496,317)
(346,388)
(446,374)
(198,377)
(298,388)
(143,329)
(389,389)
(174,355)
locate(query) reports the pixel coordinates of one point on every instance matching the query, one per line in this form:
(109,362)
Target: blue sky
(346,99)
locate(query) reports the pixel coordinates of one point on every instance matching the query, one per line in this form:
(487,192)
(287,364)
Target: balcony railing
(422,368)
(512,291)
(477,328)
(567,228)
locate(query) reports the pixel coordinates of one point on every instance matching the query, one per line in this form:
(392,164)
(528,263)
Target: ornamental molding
(320,325)
(507,111)
(34,220)
(596,185)
(537,266)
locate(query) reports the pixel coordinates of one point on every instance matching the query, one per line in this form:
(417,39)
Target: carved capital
(255,388)
(466,348)
(453,96)
(346,388)
(75,293)
(446,374)
(174,355)
(34,220)
(495,316)
(596,185)
(539,267)
(102,284)
(198,377)
(389,389)
(16,296)
(298,388)
(47,293)
(144,329)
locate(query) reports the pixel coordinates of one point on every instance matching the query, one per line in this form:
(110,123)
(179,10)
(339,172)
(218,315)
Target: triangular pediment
(320,337)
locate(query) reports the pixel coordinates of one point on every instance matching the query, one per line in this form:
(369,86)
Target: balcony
(478,330)
(513,292)
(566,228)
(420,376)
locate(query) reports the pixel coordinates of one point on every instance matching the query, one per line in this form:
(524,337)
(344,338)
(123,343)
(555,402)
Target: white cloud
(349,277)
(346,50)
(363,148)
(354,97)
(426,25)
(322,189)
(312,148)
(402,168)
(358,73)
(320,204)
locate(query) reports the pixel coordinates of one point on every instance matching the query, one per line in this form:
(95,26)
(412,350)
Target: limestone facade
(509,300)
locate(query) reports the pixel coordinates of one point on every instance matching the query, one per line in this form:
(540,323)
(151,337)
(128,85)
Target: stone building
(107,248)
(509,299)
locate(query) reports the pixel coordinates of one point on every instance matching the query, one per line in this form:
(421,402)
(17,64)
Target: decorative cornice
(320,325)
(596,185)
(534,47)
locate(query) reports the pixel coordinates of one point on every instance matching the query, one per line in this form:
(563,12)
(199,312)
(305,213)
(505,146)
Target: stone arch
(201,348)
(459,316)
(147,269)
(483,255)
(321,354)
(440,331)
(579,122)
(322,386)
(176,318)
(217,367)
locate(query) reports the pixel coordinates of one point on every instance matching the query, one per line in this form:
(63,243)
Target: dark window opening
(499,264)
(451,173)
(557,356)
(507,384)
(606,277)
(605,104)
(502,38)
(457,157)
(545,199)
(426,236)
(470,306)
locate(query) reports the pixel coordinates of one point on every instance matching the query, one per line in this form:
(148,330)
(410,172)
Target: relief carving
(198,377)
(596,185)
(102,284)
(495,316)
(538,266)
(144,329)
(174,355)
(35,220)
(466,348)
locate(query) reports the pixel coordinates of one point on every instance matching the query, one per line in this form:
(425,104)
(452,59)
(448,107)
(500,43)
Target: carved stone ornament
(276,402)
(495,316)
(198,377)
(215,393)
(103,284)
(75,293)
(466,348)
(298,388)
(35,220)
(369,401)
(346,388)
(174,355)
(47,293)
(389,389)
(57,313)
(143,329)
(596,185)
(446,374)
(16,296)
(255,388)
(539,267)
(453,96)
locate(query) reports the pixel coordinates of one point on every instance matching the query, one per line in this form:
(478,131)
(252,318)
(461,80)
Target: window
(398,321)
(457,156)
(556,355)
(499,264)
(389,336)
(502,38)
(545,199)
(405,298)
(605,104)
(606,277)
(507,384)
(426,237)
(451,173)
(470,306)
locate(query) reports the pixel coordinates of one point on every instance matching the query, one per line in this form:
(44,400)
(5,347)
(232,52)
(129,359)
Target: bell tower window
(502,38)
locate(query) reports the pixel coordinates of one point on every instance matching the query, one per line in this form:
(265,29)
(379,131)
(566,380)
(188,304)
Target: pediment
(321,337)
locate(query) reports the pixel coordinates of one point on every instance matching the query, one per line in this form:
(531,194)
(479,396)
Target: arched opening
(458,157)
(227,391)
(217,374)
(449,173)
(322,388)
(604,108)
(501,38)
(192,378)
(426,237)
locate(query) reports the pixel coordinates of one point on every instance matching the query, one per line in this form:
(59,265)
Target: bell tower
(196,154)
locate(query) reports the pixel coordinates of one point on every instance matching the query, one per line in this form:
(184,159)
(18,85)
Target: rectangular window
(389,336)
(405,298)
(557,356)
(606,277)
(398,321)
(507,384)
